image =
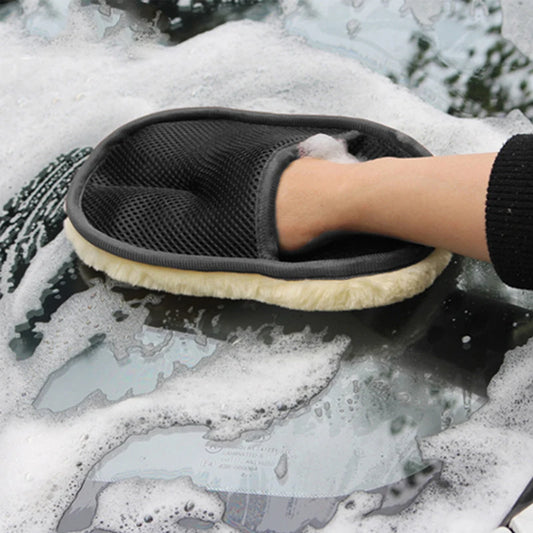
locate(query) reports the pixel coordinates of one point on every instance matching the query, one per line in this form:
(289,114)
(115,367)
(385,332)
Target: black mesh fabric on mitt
(188,187)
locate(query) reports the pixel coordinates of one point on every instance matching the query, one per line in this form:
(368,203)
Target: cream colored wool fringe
(308,294)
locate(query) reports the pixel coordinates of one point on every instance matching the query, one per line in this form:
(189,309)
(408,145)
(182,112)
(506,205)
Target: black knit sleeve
(509,212)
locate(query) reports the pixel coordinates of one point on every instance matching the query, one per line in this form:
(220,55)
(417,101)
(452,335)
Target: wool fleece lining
(184,201)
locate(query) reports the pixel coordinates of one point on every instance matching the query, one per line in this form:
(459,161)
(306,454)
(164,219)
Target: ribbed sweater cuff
(509,212)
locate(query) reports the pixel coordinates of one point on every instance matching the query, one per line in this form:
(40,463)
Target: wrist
(362,191)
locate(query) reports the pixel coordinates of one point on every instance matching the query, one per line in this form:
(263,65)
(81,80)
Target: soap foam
(235,392)
(156,506)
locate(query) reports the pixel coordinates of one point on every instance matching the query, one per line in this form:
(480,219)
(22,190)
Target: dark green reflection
(492,77)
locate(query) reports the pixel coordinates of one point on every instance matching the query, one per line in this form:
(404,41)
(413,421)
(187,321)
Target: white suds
(175,505)
(324,146)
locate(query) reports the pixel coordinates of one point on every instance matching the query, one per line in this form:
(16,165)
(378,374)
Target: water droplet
(352,27)
(282,467)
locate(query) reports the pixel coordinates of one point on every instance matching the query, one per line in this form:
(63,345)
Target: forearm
(478,205)
(437,201)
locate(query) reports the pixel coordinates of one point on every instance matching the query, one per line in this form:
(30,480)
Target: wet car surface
(209,414)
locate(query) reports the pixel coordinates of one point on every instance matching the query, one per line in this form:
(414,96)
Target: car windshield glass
(125,409)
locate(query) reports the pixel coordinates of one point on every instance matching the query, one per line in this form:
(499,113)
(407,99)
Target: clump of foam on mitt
(322,146)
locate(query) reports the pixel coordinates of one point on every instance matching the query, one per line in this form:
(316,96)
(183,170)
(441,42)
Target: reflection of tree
(483,74)
(497,78)
(499,85)
(182,19)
